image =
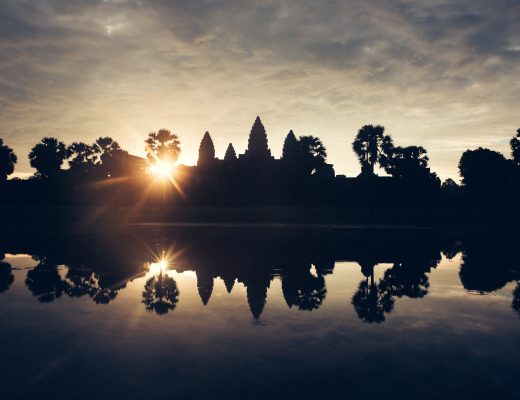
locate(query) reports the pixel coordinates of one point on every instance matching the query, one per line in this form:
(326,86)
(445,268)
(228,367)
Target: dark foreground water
(260,313)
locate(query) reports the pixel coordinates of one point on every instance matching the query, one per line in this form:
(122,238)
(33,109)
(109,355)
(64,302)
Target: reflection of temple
(99,266)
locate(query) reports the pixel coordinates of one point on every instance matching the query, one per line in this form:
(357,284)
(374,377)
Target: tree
(449,186)
(410,163)
(257,147)
(7,161)
(163,146)
(104,149)
(82,281)
(291,149)
(406,162)
(515,147)
(371,145)
(230,155)
(312,153)
(484,170)
(109,157)
(206,151)
(81,157)
(48,156)
(303,290)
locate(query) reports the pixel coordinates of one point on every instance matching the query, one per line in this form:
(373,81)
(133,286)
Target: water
(257,313)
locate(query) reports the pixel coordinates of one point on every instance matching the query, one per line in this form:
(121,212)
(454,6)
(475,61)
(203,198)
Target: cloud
(443,74)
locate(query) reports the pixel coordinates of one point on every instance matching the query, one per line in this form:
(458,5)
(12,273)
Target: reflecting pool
(272,312)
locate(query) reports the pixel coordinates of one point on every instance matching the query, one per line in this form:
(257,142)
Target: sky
(441,74)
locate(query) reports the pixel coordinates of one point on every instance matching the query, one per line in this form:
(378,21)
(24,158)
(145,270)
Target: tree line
(300,173)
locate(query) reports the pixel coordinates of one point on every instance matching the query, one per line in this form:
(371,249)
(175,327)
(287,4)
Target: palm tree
(48,156)
(163,145)
(7,161)
(371,146)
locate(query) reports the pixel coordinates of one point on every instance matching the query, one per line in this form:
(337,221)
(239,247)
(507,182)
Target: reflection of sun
(162,169)
(158,267)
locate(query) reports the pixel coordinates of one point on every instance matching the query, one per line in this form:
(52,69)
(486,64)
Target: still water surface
(210,313)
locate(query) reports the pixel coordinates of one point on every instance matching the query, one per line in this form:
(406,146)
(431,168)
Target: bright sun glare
(162,169)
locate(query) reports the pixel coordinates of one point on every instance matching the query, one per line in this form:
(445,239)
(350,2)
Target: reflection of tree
(406,280)
(516,299)
(80,282)
(6,276)
(160,294)
(372,301)
(45,282)
(483,270)
(305,291)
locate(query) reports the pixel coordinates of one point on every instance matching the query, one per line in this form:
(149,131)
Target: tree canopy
(483,170)
(163,146)
(48,156)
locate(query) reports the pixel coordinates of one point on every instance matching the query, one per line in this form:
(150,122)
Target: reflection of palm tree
(305,291)
(372,301)
(45,282)
(6,276)
(160,294)
(516,299)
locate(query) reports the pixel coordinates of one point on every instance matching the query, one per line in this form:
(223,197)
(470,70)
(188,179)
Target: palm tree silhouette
(48,156)
(163,145)
(371,146)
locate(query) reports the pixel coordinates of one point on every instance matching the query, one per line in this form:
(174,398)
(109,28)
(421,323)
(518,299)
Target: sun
(162,169)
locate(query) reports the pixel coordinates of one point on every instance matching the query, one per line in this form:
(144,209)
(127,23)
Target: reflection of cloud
(429,70)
